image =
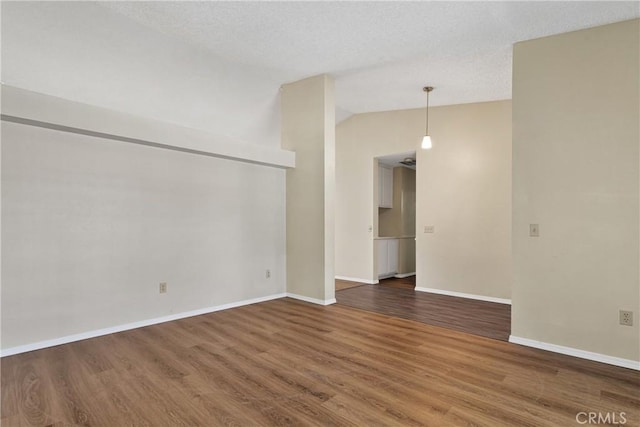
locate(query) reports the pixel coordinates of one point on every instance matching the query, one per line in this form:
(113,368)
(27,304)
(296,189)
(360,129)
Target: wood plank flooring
(286,362)
(396,297)
(392,282)
(397,282)
(346,284)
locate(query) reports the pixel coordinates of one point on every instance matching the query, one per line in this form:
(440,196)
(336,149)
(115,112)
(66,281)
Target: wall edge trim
(254,159)
(357,279)
(463,295)
(403,275)
(311,300)
(575,352)
(133,325)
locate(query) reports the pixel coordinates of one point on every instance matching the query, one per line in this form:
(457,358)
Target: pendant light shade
(426,141)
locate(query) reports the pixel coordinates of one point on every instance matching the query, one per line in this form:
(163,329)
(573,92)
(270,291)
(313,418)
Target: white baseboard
(582,354)
(463,295)
(403,275)
(127,326)
(355,279)
(311,300)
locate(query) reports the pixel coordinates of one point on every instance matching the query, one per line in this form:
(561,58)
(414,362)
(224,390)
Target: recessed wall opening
(395,237)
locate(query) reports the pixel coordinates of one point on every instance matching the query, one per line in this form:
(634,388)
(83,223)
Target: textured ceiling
(381,53)
(217,66)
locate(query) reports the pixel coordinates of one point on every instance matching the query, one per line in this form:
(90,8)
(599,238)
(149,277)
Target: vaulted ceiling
(217,66)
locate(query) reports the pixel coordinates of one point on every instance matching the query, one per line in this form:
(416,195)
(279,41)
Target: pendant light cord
(426,127)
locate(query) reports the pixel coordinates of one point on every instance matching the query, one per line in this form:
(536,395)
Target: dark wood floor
(286,362)
(393,282)
(346,284)
(399,282)
(396,297)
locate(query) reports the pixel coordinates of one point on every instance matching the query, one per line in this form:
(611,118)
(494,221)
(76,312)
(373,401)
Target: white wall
(91,226)
(85,52)
(464,191)
(576,112)
(24,106)
(463,188)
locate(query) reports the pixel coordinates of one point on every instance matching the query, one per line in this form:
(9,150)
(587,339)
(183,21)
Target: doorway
(395,216)
(394,262)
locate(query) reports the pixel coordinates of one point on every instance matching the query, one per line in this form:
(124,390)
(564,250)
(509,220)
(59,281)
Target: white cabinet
(385,186)
(383,257)
(387,257)
(393,256)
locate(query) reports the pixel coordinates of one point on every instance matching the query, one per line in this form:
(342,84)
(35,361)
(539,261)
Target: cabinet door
(385,199)
(383,257)
(392,254)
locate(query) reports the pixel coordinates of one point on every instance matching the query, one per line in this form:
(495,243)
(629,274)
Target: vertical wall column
(308,128)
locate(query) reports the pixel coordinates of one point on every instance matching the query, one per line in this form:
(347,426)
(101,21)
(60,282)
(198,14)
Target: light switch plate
(534,230)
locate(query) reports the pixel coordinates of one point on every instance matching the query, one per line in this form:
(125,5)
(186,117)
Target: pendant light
(426,141)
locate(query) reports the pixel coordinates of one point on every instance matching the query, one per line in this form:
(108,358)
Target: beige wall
(308,128)
(400,220)
(463,188)
(406,256)
(576,173)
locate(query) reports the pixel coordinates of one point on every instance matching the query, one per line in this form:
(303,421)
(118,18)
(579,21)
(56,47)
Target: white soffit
(217,66)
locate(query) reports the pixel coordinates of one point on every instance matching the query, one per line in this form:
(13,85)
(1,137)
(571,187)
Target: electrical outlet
(429,229)
(626,318)
(267,274)
(163,287)
(534,230)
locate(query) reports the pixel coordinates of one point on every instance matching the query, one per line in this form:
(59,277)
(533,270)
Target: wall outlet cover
(626,318)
